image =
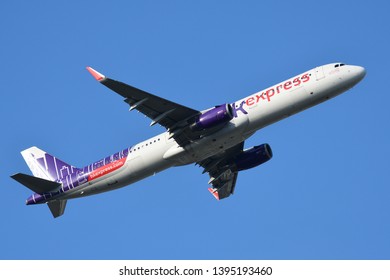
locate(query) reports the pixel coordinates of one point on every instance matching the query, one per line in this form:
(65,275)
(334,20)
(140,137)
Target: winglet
(98,76)
(214,192)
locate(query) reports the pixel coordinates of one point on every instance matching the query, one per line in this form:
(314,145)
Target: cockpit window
(339,65)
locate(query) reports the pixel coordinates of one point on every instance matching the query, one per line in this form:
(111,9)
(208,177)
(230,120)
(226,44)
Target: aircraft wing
(174,117)
(223,176)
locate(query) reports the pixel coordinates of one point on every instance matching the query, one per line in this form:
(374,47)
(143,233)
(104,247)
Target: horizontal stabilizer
(36,184)
(57,207)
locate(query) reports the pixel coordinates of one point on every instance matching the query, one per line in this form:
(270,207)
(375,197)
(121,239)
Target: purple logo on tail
(55,167)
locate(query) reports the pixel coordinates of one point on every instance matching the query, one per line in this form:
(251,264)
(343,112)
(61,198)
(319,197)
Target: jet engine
(253,157)
(219,115)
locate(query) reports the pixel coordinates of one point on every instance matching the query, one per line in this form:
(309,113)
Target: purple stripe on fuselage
(70,176)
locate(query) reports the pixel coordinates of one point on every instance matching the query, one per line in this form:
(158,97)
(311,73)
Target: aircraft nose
(359,73)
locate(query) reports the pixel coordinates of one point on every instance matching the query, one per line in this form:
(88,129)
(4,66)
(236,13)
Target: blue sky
(324,195)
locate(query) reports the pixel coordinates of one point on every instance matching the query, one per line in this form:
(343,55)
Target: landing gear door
(320,73)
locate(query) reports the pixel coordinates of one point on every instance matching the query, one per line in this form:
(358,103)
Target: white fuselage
(250,114)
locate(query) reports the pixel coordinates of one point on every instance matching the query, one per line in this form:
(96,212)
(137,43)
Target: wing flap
(223,176)
(224,188)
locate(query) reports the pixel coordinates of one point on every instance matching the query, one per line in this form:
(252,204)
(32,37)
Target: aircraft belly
(231,135)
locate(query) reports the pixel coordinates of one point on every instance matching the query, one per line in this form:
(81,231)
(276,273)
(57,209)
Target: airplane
(212,138)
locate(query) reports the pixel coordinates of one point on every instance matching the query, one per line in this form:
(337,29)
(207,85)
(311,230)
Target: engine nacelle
(253,157)
(219,115)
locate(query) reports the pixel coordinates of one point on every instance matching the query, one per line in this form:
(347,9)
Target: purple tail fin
(45,166)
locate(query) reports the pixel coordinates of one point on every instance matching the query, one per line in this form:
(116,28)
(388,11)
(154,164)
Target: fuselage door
(320,73)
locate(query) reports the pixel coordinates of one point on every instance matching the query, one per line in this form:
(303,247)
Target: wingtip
(98,76)
(214,192)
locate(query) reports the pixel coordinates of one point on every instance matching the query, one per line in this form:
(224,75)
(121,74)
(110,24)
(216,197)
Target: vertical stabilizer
(57,207)
(45,166)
